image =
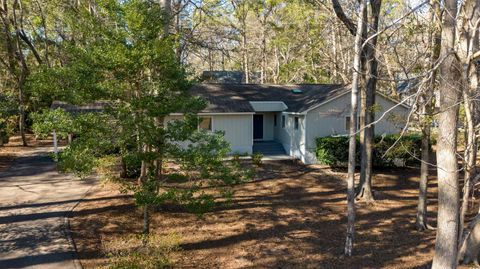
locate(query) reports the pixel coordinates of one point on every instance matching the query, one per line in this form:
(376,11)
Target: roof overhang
(268,106)
(215,113)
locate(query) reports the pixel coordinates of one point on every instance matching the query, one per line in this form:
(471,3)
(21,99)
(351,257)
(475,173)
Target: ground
(292,216)
(34,202)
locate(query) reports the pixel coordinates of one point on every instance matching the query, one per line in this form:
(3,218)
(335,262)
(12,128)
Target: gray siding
(238,130)
(293,141)
(329,119)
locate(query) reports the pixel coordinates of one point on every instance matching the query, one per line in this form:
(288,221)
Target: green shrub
(257,158)
(333,151)
(133,164)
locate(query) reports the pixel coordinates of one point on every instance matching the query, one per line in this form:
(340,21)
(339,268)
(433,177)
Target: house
(287,116)
(229,77)
(406,88)
(277,119)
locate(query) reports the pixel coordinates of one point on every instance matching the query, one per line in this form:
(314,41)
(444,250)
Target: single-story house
(258,116)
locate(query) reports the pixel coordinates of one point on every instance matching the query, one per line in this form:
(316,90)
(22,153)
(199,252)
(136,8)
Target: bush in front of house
(333,150)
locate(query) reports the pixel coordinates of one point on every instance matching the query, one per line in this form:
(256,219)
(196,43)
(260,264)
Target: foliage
(7,119)
(134,70)
(47,120)
(257,158)
(333,150)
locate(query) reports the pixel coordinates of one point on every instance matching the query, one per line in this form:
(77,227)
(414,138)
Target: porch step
(268,148)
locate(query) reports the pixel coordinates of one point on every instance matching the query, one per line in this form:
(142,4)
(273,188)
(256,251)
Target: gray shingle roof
(225,98)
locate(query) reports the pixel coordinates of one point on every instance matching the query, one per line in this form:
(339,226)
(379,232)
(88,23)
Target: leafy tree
(133,69)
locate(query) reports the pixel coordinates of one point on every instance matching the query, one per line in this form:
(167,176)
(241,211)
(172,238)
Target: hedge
(333,150)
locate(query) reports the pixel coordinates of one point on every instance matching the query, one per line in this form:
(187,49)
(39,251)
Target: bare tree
(368,105)
(468,23)
(353,128)
(426,114)
(448,188)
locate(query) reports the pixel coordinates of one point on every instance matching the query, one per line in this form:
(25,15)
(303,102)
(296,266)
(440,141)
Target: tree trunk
(245,56)
(426,112)
(146,220)
(448,188)
(367,107)
(167,11)
(421,220)
(353,127)
(468,40)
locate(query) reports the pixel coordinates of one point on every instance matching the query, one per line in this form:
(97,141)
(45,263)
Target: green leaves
(135,70)
(334,150)
(46,121)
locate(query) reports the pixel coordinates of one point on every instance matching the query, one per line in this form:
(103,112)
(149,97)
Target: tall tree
(368,102)
(426,106)
(448,187)
(353,129)
(468,38)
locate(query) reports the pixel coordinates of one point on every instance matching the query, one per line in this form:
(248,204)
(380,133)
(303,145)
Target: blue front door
(258,126)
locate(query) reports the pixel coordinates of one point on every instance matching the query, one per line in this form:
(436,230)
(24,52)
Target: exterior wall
(293,141)
(329,119)
(238,130)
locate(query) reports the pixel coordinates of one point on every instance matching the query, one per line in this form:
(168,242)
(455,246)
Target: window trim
(200,121)
(347,128)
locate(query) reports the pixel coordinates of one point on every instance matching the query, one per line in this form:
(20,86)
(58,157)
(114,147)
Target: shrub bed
(333,150)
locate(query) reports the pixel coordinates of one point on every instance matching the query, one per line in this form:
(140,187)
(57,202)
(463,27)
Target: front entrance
(258,126)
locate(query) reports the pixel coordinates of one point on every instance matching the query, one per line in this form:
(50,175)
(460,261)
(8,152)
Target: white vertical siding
(238,130)
(293,141)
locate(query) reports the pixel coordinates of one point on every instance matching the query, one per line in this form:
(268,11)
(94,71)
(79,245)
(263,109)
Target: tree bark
(146,220)
(353,127)
(448,188)
(167,13)
(245,54)
(425,114)
(368,105)
(468,35)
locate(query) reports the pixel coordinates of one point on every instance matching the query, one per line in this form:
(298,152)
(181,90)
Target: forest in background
(143,55)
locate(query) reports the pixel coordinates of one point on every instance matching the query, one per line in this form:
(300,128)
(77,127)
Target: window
(347,123)
(275,120)
(296,123)
(205,123)
(283,121)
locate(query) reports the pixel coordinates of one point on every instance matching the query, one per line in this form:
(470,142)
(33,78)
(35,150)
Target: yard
(291,216)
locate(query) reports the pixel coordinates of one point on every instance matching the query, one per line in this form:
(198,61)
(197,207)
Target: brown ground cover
(292,216)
